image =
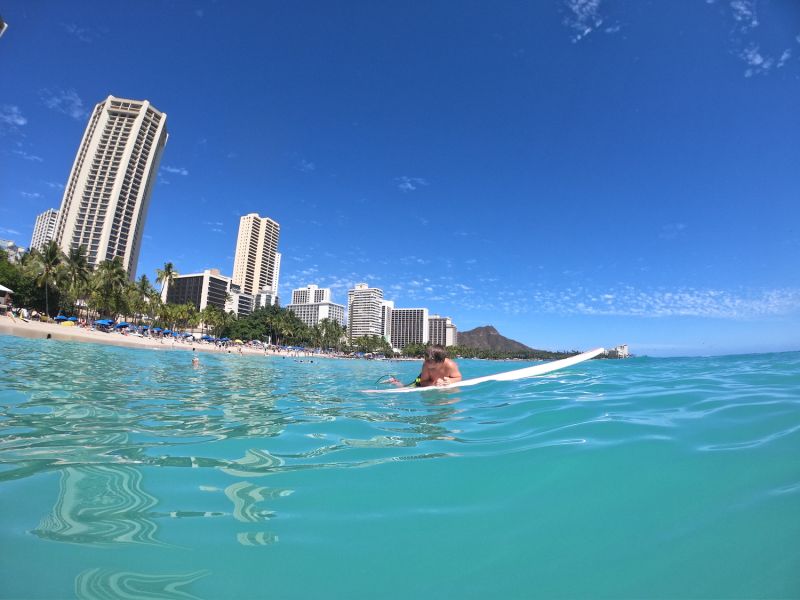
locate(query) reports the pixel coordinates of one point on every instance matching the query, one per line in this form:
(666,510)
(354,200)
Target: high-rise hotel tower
(108,192)
(364,306)
(45,228)
(256,266)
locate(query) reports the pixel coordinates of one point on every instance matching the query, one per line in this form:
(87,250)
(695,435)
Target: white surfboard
(506,376)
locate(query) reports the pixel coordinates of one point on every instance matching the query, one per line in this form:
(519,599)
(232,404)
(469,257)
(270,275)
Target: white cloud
(11,115)
(26,156)
(409,184)
(305,166)
(688,302)
(54,185)
(83,34)
(30,195)
(66,102)
(672,231)
(6,231)
(744,13)
(175,170)
(583,17)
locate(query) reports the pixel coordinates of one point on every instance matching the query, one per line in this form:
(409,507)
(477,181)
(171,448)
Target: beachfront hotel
(311,304)
(442,332)
(209,288)
(238,302)
(386,320)
(409,326)
(44,229)
(107,195)
(364,311)
(256,265)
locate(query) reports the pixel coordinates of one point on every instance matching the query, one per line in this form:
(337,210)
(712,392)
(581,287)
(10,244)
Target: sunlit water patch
(129,473)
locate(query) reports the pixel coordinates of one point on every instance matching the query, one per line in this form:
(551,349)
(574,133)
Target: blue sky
(576,173)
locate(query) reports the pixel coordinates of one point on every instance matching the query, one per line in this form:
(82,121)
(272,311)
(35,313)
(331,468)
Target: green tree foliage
(44,267)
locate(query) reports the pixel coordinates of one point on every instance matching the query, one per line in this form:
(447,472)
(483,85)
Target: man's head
(436,354)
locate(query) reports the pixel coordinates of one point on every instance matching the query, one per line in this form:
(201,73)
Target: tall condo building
(45,228)
(410,326)
(364,311)
(108,192)
(386,320)
(442,332)
(311,304)
(256,266)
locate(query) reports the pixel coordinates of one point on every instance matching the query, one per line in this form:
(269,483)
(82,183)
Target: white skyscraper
(45,228)
(311,304)
(386,320)
(442,332)
(410,326)
(108,192)
(364,311)
(256,266)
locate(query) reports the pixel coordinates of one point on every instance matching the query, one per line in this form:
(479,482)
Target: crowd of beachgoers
(121,333)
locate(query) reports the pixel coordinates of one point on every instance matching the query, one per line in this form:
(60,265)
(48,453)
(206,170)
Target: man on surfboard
(437,369)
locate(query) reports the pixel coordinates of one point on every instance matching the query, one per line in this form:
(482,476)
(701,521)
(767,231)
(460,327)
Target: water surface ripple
(108,447)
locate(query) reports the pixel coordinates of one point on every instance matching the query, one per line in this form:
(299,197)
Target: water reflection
(100,504)
(106,583)
(241,418)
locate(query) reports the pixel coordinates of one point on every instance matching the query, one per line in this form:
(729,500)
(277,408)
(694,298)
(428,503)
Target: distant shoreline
(35,329)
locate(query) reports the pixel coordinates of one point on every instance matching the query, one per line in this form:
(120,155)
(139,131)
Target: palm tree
(141,295)
(76,271)
(45,265)
(108,286)
(166,275)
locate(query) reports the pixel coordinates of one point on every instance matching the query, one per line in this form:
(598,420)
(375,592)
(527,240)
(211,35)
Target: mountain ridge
(487,337)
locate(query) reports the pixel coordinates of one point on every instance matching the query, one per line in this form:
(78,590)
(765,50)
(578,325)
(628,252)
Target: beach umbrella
(157,329)
(145,326)
(238,342)
(60,318)
(66,323)
(121,325)
(72,319)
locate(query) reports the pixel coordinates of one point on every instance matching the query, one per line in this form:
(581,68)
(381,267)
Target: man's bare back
(438,369)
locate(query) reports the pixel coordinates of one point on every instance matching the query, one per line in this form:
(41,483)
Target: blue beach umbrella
(121,325)
(157,329)
(60,318)
(72,319)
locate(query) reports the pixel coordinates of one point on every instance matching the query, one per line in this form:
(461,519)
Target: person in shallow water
(195,360)
(437,369)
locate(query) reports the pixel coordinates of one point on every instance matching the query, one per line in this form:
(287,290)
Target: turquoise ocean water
(128,473)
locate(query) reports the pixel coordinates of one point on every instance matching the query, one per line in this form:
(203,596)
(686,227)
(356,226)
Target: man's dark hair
(436,353)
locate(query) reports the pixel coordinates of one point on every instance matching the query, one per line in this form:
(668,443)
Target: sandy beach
(35,329)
